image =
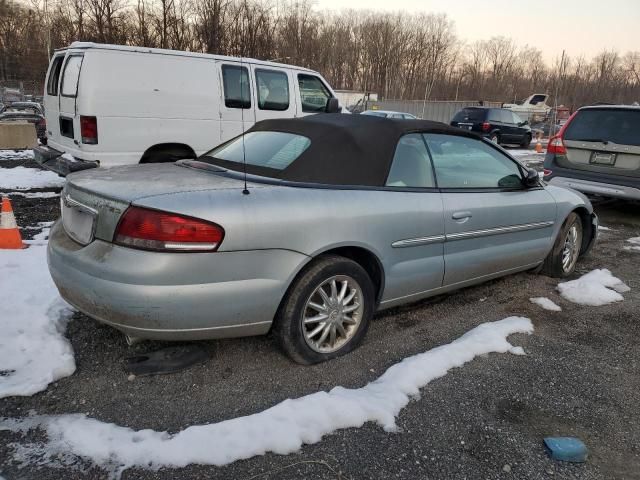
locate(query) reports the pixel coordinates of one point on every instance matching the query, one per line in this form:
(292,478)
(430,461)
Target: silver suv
(598,152)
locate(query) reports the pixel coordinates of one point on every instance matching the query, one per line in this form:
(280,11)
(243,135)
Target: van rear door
(69,122)
(50,99)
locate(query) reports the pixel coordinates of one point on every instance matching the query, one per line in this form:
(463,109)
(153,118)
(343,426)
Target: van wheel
(167,154)
(326,312)
(561,261)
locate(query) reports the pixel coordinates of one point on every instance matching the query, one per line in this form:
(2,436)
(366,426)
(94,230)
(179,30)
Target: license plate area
(78,220)
(465,126)
(603,158)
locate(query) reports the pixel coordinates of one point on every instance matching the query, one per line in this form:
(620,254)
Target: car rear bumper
(596,188)
(172,296)
(58,162)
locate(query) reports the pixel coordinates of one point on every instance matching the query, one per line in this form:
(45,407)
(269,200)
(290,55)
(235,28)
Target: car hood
(133,182)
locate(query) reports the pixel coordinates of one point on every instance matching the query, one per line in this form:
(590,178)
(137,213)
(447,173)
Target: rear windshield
(275,150)
(617,126)
(469,115)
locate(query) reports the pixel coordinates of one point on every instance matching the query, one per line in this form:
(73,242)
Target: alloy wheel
(332,314)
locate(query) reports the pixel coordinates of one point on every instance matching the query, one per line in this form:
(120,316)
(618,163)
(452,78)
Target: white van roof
(178,53)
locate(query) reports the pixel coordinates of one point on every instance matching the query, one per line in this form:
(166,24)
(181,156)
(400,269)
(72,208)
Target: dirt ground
(580,376)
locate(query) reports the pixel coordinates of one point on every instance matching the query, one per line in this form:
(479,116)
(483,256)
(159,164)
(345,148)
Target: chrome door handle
(461,215)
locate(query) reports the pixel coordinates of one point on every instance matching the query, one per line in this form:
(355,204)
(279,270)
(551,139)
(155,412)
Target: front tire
(326,312)
(526,141)
(561,261)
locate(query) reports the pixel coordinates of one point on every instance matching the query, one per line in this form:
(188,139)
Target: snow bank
(595,288)
(33,349)
(635,244)
(281,429)
(34,194)
(23,178)
(546,303)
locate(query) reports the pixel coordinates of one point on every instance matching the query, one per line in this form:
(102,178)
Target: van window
(237,92)
(54,73)
(313,92)
(70,76)
(469,115)
(273,90)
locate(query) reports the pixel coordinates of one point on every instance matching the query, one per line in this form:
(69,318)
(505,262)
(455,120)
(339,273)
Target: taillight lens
(42,123)
(89,129)
(556,145)
(486,126)
(162,231)
(546,172)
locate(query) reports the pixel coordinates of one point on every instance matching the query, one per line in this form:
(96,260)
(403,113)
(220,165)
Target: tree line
(396,55)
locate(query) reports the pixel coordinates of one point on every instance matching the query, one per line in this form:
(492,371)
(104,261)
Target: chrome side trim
(414,242)
(497,231)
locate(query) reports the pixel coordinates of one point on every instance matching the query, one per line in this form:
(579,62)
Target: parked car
(26,112)
(389,114)
(321,235)
(498,125)
(110,105)
(598,152)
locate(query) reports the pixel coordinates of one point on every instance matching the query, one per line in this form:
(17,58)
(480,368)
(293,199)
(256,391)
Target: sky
(581,27)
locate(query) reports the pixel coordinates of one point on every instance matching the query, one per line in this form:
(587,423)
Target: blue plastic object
(567,449)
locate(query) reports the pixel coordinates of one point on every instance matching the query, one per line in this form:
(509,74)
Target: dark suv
(499,125)
(598,152)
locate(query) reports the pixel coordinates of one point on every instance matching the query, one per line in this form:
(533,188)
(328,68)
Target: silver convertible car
(305,228)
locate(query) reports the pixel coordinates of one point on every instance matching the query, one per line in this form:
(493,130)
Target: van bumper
(58,162)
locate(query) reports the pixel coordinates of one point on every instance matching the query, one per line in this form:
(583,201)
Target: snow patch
(33,349)
(22,178)
(16,154)
(281,429)
(635,244)
(546,303)
(598,287)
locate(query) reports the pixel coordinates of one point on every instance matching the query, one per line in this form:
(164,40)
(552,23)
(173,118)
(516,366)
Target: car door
(50,99)
(312,94)
(237,109)
(520,131)
(414,262)
(508,129)
(273,93)
(493,224)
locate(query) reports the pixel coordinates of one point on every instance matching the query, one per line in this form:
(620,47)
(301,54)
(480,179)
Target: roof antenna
(245,191)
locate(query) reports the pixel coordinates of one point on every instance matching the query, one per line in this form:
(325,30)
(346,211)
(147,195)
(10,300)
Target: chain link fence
(438,111)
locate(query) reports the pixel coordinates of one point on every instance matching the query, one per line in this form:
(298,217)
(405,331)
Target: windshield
(605,125)
(275,150)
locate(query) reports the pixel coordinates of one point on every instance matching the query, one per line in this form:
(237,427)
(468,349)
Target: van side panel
(141,100)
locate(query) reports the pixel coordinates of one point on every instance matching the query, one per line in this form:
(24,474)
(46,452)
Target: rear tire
(561,261)
(326,312)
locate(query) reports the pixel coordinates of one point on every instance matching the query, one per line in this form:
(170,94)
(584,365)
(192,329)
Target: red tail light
(89,129)
(556,145)
(42,123)
(486,126)
(546,172)
(162,231)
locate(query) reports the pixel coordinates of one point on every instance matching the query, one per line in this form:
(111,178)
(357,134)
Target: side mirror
(522,124)
(531,178)
(332,106)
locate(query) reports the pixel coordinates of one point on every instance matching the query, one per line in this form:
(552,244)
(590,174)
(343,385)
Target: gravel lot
(486,420)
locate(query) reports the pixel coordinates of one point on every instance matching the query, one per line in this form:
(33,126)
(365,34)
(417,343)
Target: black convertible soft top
(345,149)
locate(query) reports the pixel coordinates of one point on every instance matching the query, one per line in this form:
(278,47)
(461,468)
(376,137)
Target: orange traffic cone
(539,147)
(10,237)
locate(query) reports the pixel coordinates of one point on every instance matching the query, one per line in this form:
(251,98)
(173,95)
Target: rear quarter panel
(312,221)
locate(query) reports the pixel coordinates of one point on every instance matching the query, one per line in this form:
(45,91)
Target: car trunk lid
(92,202)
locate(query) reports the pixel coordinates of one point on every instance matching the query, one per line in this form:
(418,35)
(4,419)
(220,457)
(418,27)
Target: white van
(109,105)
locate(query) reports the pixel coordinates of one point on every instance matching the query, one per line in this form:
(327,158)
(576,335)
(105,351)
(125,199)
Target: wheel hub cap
(332,314)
